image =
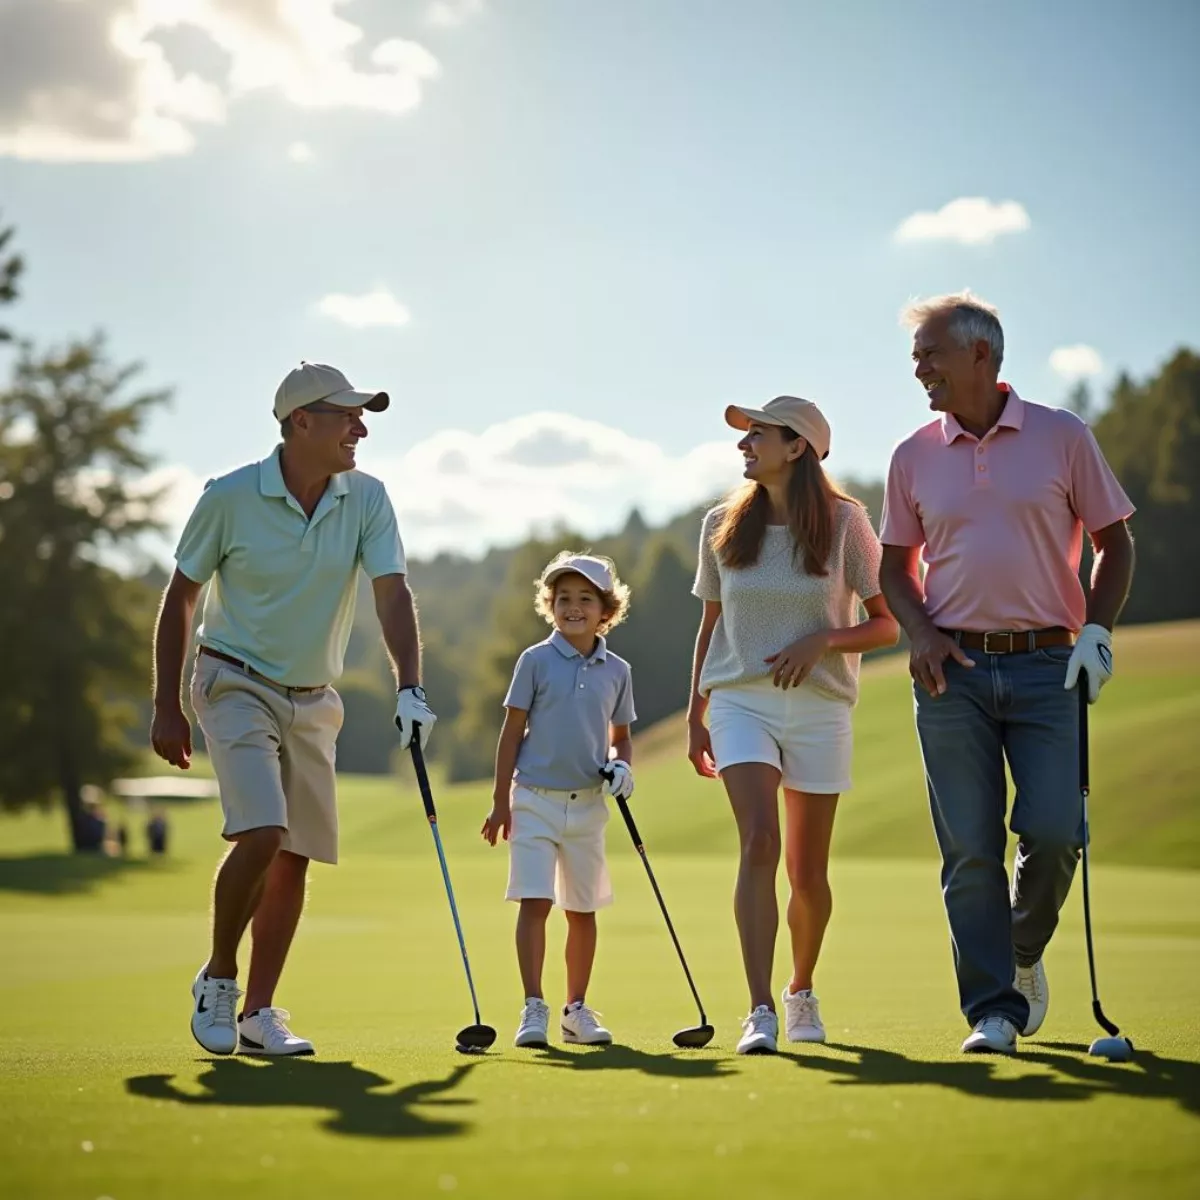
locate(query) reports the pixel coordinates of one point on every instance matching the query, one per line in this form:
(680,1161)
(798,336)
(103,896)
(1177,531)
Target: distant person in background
(993,496)
(784,564)
(281,541)
(156,832)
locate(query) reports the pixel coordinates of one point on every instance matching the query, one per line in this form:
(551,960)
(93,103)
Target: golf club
(474,1039)
(1113,1048)
(698,1035)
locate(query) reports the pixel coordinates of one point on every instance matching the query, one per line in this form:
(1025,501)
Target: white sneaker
(1031,983)
(802,1016)
(994,1034)
(760,1032)
(579,1026)
(214,1004)
(534,1029)
(265,1032)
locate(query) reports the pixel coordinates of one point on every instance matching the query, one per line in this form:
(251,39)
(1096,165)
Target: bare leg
(239,882)
(809,831)
(581,953)
(531,944)
(275,921)
(753,790)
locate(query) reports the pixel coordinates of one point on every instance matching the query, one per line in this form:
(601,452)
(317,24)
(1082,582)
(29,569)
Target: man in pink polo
(993,497)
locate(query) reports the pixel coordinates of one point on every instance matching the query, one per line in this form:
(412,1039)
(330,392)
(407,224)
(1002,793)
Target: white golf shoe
(993,1034)
(802,1016)
(214,1005)
(265,1032)
(581,1027)
(1031,983)
(760,1032)
(534,1029)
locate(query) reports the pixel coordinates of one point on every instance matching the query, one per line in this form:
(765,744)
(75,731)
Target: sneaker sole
(251,1050)
(536,1043)
(760,1050)
(816,1040)
(1008,1052)
(572,1040)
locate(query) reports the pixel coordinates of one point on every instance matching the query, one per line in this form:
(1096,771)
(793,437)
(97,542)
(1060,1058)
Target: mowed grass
(103,1093)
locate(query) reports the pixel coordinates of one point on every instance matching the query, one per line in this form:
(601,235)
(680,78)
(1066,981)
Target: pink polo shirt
(1001,517)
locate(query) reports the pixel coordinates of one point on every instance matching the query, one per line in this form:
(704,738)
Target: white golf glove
(411,709)
(1093,654)
(618,779)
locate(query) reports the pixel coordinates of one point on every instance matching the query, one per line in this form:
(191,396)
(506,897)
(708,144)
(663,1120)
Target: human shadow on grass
(67,874)
(1078,1077)
(679,1065)
(351,1094)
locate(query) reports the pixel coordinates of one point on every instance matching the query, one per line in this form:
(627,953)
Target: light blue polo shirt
(282,589)
(571,702)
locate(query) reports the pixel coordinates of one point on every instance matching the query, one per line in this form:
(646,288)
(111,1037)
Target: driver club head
(694,1038)
(474,1039)
(1115,1049)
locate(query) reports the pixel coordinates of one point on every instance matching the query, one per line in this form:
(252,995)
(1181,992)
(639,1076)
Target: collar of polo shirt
(565,648)
(270,477)
(1012,416)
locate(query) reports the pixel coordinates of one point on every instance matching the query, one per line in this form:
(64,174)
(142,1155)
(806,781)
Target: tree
(76,633)
(1079,401)
(11,266)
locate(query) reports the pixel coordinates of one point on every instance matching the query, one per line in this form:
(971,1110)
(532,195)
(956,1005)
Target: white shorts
(805,734)
(556,848)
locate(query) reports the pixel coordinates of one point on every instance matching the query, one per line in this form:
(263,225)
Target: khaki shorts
(273,755)
(556,848)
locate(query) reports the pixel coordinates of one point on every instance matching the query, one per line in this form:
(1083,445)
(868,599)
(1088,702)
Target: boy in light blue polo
(568,709)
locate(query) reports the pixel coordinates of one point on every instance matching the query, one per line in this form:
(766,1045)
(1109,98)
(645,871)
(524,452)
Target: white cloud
(1076,362)
(94,83)
(370,309)
(449,14)
(969,220)
(300,152)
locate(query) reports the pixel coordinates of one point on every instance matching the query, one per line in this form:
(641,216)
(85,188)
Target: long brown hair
(812,500)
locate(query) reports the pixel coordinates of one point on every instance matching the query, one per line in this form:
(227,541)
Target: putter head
(694,1038)
(474,1039)
(1115,1049)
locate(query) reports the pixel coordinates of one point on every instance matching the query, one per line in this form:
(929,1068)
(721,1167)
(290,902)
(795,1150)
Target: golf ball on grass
(1114,1049)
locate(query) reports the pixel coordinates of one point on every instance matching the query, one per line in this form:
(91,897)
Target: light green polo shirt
(282,589)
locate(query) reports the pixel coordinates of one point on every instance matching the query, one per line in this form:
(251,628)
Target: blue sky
(599,222)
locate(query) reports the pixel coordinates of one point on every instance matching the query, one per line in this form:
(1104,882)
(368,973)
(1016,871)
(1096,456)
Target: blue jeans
(1014,707)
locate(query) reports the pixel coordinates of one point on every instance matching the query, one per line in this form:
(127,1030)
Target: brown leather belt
(1011,641)
(249,670)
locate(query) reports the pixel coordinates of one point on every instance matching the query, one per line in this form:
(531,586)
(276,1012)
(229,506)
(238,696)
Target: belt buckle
(997,633)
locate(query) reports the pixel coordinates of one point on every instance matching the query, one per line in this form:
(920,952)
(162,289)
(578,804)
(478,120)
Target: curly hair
(614,602)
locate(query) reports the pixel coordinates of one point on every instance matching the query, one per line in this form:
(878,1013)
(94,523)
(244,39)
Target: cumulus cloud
(1076,362)
(969,220)
(92,81)
(371,309)
(449,14)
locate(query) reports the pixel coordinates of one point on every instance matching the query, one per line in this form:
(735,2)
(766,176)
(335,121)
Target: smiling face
(767,454)
(950,373)
(330,435)
(578,608)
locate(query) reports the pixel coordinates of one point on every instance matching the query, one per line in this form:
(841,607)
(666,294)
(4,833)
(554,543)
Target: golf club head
(474,1039)
(694,1038)
(1115,1049)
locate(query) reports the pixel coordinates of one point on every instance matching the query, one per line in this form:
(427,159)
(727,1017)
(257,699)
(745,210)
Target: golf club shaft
(641,849)
(418,758)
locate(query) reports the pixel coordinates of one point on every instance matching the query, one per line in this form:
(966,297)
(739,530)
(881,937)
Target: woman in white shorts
(784,563)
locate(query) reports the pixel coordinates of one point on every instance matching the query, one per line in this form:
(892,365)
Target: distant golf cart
(149,796)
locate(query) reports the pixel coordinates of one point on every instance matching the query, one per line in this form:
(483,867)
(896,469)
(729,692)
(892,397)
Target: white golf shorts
(804,733)
(556,848)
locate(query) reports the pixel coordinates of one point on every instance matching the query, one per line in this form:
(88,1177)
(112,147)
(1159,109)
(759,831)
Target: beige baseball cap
(310,383)
(595,570)
(801,416)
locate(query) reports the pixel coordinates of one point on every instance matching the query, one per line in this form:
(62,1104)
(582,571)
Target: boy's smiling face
(578,610)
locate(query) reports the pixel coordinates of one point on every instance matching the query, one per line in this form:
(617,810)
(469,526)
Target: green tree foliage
(76,633)
(368,735)
(11,267)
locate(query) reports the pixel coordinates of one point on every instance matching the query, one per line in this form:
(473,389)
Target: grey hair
(970,320)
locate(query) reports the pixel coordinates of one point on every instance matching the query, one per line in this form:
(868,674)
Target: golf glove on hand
(618,779)
(1092,654)
(411,708)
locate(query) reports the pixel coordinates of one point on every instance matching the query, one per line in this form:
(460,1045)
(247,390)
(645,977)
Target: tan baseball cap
(595,570)
(310,383)
(801,416)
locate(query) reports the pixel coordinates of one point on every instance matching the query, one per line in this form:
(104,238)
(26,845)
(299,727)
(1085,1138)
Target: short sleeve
(1096,496)
(380,549)
(901,525)
(708,574)
(203,543)
(524,683)
(862,555)
(624,713)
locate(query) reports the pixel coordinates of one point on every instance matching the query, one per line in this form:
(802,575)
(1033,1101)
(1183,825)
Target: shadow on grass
(67,874)
(1078,1077)
(351,1094)
(680,1065)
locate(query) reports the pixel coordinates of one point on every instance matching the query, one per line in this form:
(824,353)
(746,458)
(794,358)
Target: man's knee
(264,843)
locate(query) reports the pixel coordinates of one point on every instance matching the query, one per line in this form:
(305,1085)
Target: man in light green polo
(279,544)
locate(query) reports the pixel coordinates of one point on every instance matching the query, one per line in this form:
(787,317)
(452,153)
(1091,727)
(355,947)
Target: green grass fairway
(103,1093)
